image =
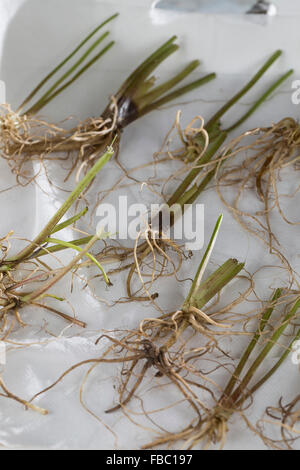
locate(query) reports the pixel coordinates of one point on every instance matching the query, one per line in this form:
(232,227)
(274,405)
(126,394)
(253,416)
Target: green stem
(261,357)
(203,264)
(181,196)
(177,93)
(141,69)
(77,248)
(211,151)
(187,196)
(140,79)
(244,90)
(265,318)
(27,299)
(45,100)
(56,248)
(261,100)
(276,366)
(207,290)
(216,282)
(67,59)
(48,229)
(160,90)
(68,72)
(70,221)
(219,137)
(201,187)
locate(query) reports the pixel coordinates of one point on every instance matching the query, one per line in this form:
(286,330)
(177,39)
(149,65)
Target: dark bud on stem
(127,112)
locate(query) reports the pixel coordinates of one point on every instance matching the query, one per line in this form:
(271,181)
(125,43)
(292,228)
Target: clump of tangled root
(286,417)
(24,285)
(193,143)
(26,138)
(237,396)
(171,347)
(269,151)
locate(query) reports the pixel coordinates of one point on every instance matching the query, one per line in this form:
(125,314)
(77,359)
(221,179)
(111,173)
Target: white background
(34,35)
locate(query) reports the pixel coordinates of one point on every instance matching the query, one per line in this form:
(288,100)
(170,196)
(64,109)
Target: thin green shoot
(64,62)
(88,255)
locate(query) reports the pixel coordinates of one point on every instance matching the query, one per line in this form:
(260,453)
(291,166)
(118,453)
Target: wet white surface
(233,46)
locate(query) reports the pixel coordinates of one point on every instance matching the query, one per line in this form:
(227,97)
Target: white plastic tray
(33,36)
